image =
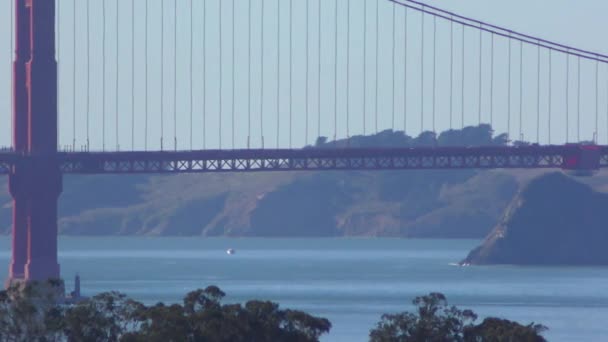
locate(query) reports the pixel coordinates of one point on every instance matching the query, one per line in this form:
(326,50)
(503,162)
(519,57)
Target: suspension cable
(492,83)
(335,70)
(307,71)
(175,75)
(204,43)
(146,105)
(597,95)
(567,98)
(503,32)
(74,70)
(422,72)
(405,41)
(249,75)
(116,80)
(538,96)
(521,89)
(364,65)
(550,94)
(132,75)
(463,74)
(578,101)
(434,68)
(103,78)
(319,73)
(393,68)
(509,92)
(88,97)
(451,74)
(233,71)
(278,68)
(190,71)
(59,61)
(480,73)
(348,73)
(162,71)
(221,72)
(290,72)
(377,64)
(10,56)
(262,77)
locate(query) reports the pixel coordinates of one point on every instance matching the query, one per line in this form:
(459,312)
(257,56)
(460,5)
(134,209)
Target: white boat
(230,251)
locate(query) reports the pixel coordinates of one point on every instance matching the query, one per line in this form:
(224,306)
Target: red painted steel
(36,181)
(17,185)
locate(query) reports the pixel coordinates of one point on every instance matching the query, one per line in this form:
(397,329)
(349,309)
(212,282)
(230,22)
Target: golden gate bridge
(244,86)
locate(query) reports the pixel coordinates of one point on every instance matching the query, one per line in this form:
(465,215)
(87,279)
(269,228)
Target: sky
(197,109)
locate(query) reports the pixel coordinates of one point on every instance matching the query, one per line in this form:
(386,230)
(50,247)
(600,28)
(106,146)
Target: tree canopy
(112,316)
(436,321)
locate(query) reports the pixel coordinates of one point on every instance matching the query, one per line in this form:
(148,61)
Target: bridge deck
(252,160)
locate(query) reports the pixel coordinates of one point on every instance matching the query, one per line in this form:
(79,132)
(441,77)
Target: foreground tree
(436,321)
(30,315)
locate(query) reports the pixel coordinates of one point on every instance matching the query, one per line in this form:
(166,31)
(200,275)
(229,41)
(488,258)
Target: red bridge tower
(35,183)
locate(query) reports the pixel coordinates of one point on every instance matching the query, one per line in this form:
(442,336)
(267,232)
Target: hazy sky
(581,24)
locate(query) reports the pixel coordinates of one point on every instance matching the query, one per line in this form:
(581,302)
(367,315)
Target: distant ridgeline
(554,220)
(481,135)
(426,203)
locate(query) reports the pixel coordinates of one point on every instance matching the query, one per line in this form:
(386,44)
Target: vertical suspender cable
(348,71)
(290,71)
(335,70)
(221,71)
(578,100)
(422,71)
(204,74)
(538,96)
(88,97)
(175,75)
(262,76)
(463,78)
(307,70)
(405,70)
(509,90)
(190,69)
(162,71)
(132,75)
(434,69)
(59,62)
(451,74)
(567,97)
(492,82)
(550,100)
(233,68)
(116,94)
(146,75)
(12,43)
(364,65)
(480,74)
(393,67)
(249,74)
(74,76)
(103,78)
(521,89)
(278,68)
(377,64)
(597,94)
(319,72)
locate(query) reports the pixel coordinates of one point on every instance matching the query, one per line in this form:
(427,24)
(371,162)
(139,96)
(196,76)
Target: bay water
(349,281)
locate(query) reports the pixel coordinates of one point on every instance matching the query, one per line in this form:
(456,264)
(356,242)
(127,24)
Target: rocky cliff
(554,220)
